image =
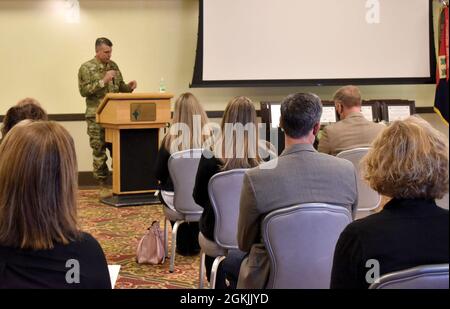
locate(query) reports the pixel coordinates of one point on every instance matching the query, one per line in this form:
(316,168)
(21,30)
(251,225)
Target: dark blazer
(21,268)
(406,233)
(162,169)
(206,169)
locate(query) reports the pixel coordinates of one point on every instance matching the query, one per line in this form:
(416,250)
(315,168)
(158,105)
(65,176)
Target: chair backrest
(443,202)
(183,167)
(420,277)
(224,193)
(368,199)
(300,241)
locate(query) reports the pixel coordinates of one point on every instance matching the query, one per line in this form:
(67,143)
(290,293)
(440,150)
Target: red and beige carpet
(118,230)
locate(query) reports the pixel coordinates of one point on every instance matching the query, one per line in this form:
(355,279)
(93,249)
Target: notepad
(275,113)
(113,274)
(328,114)
(367,112)
(396,112)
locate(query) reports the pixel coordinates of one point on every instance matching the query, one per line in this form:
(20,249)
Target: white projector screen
(314,42)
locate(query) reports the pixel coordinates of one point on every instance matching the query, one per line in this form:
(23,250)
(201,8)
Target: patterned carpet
(118,230)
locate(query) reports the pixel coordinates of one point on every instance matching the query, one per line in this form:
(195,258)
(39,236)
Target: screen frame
(198,82)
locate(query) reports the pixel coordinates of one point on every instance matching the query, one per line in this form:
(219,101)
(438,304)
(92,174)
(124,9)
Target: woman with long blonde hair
(189,130)
(189,120)
(238,146)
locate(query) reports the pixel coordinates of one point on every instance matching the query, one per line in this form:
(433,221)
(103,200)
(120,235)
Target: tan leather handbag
(150,249)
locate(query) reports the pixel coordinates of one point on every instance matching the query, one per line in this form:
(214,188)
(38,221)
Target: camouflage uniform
(89,76)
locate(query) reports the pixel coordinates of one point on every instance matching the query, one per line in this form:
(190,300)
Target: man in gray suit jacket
(353,130)
(300,175)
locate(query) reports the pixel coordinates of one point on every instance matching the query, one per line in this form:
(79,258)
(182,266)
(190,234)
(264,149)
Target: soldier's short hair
(101,41)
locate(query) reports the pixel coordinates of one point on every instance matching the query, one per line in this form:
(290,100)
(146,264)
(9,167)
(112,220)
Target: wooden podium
(132,122)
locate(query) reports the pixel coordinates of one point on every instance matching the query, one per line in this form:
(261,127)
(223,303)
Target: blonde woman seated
(409,163)
(40,243)
(189,113)
(228,153)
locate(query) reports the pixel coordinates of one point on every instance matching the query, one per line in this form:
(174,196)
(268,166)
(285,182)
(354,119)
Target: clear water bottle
(162,85)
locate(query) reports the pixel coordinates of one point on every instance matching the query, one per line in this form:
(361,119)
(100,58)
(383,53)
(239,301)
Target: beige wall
(40,55)
(84,153)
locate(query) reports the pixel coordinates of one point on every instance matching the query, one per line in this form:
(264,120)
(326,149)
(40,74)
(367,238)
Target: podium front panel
(138,152)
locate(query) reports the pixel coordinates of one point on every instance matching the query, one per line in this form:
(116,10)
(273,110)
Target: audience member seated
(409,163)
(188,113)
(227,153)
(353,130)
(299,175)
(40,243)
(27,108)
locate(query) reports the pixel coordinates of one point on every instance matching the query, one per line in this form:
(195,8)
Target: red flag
(441,100)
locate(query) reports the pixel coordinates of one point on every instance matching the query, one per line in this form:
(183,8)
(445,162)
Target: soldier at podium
(96,78)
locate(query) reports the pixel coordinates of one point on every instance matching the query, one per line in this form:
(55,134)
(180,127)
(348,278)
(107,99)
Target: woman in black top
(40,243)
(188,115)
(408,162)
(229,152)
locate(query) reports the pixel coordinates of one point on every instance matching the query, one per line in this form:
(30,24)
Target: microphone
(107,68)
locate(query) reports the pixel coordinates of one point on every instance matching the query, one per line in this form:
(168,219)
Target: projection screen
(311,42)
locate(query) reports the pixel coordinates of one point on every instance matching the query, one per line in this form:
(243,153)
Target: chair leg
(166,237)
(202,270)
(214,268)
(174,244)
(166,233)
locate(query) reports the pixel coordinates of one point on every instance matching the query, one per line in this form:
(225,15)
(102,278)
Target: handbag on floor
(150,249)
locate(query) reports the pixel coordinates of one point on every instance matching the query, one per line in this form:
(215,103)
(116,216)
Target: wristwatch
(101,83)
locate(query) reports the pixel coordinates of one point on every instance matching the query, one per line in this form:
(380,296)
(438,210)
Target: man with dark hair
(300,175)
(96,78)
(353,130)
(27,108)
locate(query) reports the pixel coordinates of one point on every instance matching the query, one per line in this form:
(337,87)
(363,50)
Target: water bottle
(162,85)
